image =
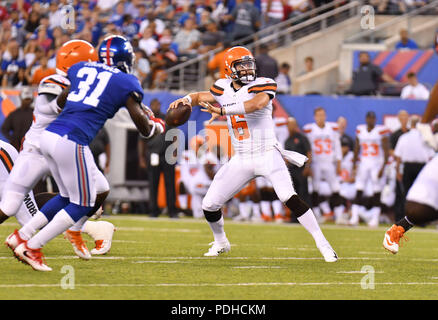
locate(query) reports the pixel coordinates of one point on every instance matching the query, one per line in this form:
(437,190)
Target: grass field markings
(249,284)
(258,267)
(299,249)
(160,261)
(374,252)
(361,272)
(141,229)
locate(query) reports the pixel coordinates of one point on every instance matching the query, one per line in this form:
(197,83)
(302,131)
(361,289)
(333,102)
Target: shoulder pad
(53,84)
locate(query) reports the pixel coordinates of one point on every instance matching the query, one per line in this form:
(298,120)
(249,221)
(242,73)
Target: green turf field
(163,259)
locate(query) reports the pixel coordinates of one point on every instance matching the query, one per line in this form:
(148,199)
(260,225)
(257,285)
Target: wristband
(150,133)
(188,98)
(235,108)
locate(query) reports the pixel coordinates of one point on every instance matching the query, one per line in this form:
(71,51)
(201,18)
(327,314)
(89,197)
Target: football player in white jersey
(326,162)
(373,144)
(422,199)
(30,166)
(246,101)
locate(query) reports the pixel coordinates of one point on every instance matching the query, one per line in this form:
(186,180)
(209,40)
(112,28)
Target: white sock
(78,225)
(245,209)
(317,212)
(339,211)
(182,199)
(308,221)
(325,207)
(198,213)
(266,208)
(218,230)
(60,223)
(278,207)
(256,210)
(37,222)
(355,211)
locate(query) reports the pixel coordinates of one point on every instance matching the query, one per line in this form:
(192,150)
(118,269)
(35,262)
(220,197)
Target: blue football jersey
(97,92)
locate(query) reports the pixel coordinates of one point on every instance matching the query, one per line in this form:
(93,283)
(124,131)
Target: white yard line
(250,284)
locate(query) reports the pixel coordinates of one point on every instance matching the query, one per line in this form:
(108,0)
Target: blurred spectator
(33,21)
(129,26)
(142,67)
(191,13)
(55,15)
(43,40)
(42,71)
(272,12)
(106,5)
(101,149)
(414,90)
(298,7)
(132,8)
(163,59)
(389,6)
(346,140)
(405,42)
(117,16)
(298,142)
(212,38)
(152,157)
(19,121)
(217,63)
(367,77)
(165,11)
(152,22)
(246,19)
(284,84)
(308,64)
(188,39)
(148,43)
(266,65)
(13,65)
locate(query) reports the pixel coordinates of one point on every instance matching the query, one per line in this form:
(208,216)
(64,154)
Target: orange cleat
(392,238)
(78,244)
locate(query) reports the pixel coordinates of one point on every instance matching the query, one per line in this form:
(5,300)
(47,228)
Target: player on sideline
(96,93)
(30,166)
(422,199)
(326,162)
(247,103)
(373,143)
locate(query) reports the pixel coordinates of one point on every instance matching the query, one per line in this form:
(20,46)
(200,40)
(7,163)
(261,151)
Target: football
(179,115)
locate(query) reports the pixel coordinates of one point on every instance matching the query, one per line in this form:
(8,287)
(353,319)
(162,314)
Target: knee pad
(359,200)
(11,202)
(212,216)
(297,206)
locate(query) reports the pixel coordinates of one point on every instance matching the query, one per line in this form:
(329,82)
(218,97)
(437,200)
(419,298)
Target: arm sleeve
(268,86)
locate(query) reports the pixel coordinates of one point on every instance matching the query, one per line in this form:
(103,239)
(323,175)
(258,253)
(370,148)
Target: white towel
(293,157)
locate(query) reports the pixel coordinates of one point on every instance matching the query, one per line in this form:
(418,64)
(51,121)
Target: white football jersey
(325,142)
(251,133)
(281,130)
(8,154)
(370,142)
(45,110)
(347,166)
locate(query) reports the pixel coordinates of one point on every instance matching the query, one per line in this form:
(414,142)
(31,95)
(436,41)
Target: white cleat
(78,244)
(14,240)
(217,248)
(33,257)
(328,253)
(392,238)
(102,233)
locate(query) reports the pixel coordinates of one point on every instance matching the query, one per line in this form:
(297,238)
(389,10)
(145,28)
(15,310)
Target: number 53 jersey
(97,92)
(251,133)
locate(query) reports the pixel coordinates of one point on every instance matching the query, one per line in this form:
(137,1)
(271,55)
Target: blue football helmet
(117,51)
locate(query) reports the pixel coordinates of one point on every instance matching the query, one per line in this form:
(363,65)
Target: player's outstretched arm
(194,99)
(62,98)
(142,120)
(260,101)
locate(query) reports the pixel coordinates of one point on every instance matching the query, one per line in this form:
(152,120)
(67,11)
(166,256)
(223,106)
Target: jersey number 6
(85,85)
(240,127)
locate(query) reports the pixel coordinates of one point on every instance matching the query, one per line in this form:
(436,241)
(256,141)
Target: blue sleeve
(5,64)
(129,84)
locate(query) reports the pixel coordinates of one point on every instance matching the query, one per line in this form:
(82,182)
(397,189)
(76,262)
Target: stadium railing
(190,75)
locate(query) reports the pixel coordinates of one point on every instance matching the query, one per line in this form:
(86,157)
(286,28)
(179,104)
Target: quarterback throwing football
(246,101)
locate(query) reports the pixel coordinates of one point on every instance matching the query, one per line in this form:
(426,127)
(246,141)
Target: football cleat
(217,248)
(102,233)
(14,240)
(266,217)
(391,241)
(33,257)
(78,244)
(279,218)
(328,253)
